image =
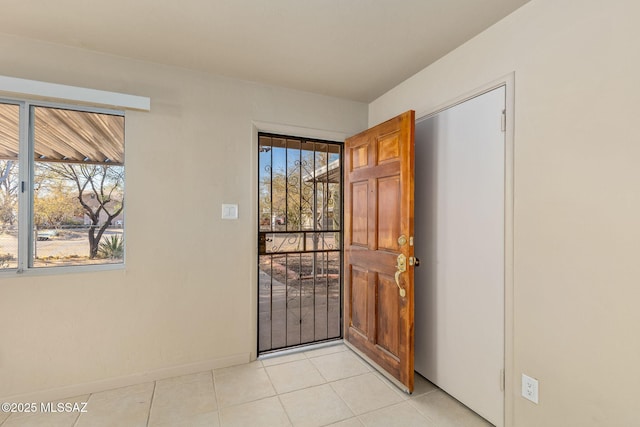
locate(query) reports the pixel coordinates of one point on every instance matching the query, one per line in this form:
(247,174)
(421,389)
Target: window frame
(26,165)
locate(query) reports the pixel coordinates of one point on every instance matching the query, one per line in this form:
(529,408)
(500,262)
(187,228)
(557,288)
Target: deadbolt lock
(402,240)
(402,263)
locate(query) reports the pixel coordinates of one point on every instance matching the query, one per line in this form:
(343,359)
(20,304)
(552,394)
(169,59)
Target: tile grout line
(153,395)
(266,371)
(377,409)
(215,397)
(343,401)
(371,370)
(389,384)
(75,423)
(413,405)
(424,394)
(283,408)
(278,394)
(326,381)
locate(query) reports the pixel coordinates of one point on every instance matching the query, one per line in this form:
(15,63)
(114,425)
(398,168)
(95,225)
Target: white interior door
(459,225)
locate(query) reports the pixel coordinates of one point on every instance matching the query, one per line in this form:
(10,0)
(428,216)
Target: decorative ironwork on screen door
(299,241)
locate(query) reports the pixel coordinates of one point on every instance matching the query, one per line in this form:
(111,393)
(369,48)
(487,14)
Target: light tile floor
(328,386)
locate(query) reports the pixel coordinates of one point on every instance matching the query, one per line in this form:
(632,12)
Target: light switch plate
(229,211)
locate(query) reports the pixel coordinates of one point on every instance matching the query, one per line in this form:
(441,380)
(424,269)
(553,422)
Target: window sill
(52,271)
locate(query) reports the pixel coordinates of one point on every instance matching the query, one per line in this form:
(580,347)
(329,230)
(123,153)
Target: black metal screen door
(299,241)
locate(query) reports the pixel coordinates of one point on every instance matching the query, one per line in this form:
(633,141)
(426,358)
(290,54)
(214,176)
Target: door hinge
(503,125)
(502,380)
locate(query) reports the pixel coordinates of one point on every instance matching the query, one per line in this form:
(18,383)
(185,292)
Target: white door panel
(459,287)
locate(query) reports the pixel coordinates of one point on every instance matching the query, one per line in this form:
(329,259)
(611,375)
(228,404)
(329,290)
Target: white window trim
(13,86)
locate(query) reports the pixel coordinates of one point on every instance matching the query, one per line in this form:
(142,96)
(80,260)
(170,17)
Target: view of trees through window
(9,185)
(299,235)
(292,195)
(77,188)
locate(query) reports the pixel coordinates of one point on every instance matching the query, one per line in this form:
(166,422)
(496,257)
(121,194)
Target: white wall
(186,298)
(577,199)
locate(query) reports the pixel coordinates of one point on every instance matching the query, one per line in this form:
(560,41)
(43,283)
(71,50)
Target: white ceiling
(354,49)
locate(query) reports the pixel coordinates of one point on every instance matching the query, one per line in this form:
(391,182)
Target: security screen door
(299,241)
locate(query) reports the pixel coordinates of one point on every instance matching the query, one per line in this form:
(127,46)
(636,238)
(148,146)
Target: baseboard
(123,381)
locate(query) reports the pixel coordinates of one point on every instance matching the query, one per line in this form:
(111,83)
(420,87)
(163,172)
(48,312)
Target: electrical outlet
(530,388)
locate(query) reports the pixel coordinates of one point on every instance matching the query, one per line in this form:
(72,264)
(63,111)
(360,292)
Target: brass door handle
(402,267)
(403,293)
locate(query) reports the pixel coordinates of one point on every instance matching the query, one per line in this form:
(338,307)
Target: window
(61,186)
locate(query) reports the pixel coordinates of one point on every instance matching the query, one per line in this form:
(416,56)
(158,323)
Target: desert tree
(8,193)
(55,205)
(100,189)
(287,192)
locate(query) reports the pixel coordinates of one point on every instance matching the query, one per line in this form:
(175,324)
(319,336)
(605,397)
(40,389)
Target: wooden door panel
(379,201)
(360,208)
(388,308)
(389,197)
(359,157)
(358,298)
(389,148)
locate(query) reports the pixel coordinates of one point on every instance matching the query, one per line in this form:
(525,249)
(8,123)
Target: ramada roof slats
(66,136)
(9,131)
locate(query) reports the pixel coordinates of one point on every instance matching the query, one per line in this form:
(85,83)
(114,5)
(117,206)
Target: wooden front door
(378,247)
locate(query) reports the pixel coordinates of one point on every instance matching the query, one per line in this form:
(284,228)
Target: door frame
(275,128)
(508,81)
